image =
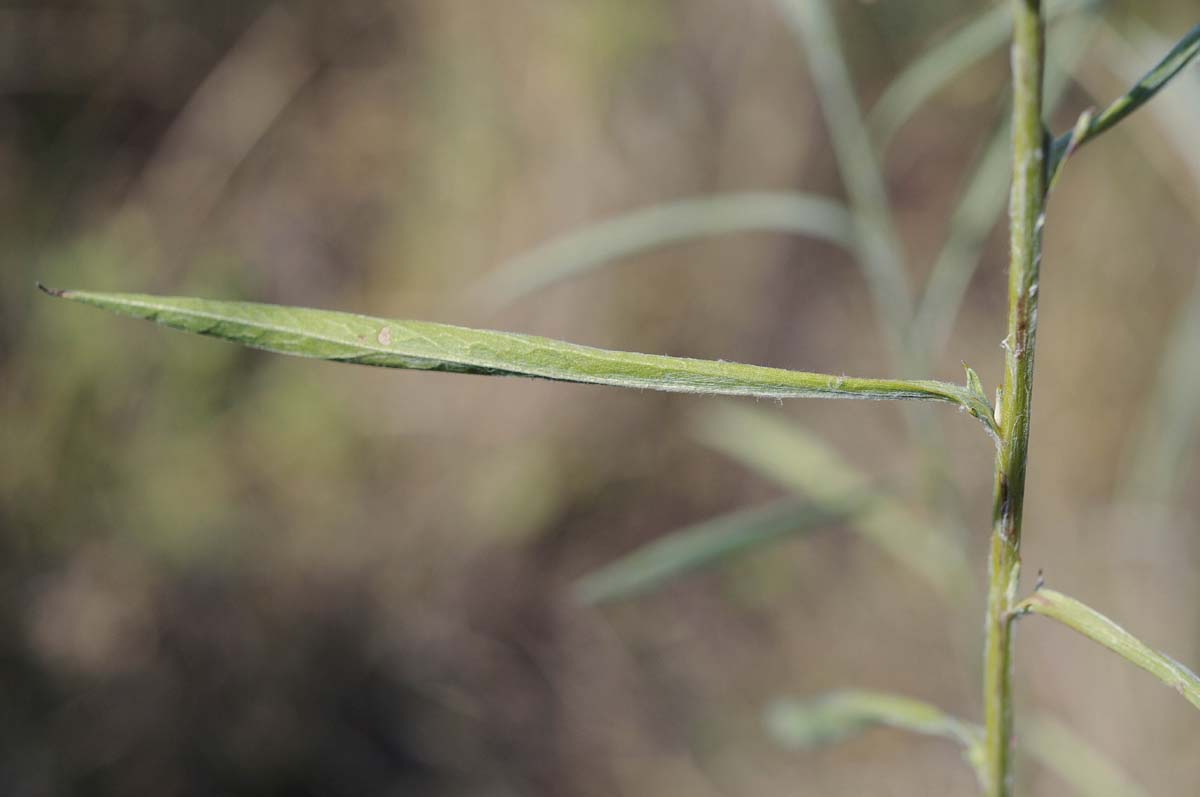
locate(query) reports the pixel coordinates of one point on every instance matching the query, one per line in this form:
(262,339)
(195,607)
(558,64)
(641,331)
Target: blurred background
(225,572)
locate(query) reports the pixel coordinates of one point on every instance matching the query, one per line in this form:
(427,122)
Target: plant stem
(1026,220)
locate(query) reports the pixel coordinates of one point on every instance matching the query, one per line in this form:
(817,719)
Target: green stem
(1026,220)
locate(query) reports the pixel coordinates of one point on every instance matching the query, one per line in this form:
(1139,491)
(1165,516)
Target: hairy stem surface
(1026,221)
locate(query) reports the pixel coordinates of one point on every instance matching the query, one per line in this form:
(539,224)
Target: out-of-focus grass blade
(946,61)
(1157,467)
(700,546)
(786,453)
(1151,83)
(880,250)
(1062,751)
(836,716)
(984,202)
(833,717)
(362,340)
(978,210)
(578,252)
(1098,628)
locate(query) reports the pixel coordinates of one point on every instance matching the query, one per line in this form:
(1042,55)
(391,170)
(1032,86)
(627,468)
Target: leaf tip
(55,292)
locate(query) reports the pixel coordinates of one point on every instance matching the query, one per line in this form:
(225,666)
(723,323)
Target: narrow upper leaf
(1171,65)
(345,337)
(1099,628)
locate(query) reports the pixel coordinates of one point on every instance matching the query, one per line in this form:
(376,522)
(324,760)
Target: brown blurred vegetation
(230,573)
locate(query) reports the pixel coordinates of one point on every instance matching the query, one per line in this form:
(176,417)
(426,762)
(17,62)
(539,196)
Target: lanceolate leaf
(1099,628)
(345,337)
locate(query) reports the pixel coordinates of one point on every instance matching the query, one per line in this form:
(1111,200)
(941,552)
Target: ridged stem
(1026,213)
